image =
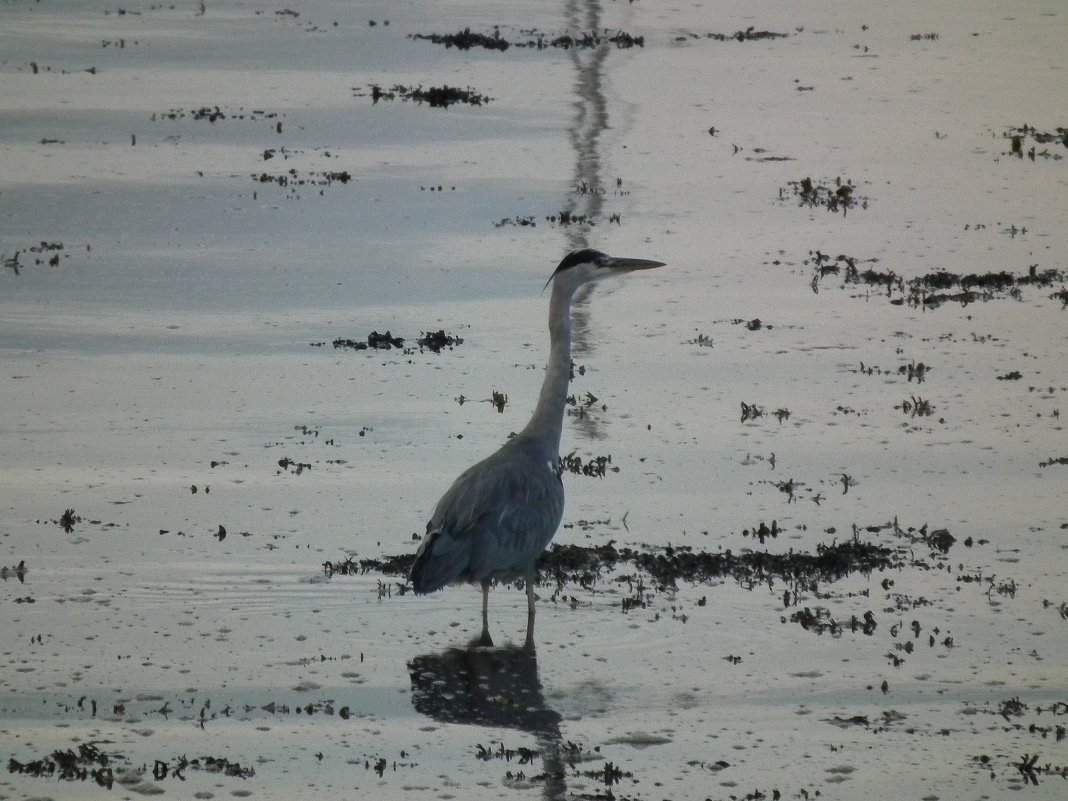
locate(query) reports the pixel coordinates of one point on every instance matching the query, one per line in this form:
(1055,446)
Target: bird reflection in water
(496,688)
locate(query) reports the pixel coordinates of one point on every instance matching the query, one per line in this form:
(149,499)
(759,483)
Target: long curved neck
(546,423)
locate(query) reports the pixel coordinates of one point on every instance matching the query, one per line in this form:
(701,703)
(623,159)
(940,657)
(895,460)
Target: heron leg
(529,644)
(485,638)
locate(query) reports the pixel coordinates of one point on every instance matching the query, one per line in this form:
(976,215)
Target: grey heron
(498,516)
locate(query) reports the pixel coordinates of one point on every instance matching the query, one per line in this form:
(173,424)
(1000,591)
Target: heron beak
(625,265)
(611,265)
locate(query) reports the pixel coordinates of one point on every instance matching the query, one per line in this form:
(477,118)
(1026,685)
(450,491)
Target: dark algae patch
(1029,142)
(620,39)
(293,178)
(435,341)
(434,96)
(594,467)
(466,40)
(567,217)
(374,341)
(19,571)
(215,113)
(68,520)
(90,762)
(834,195)
(669,566)
(86,763)
(750,34)
(50,253)
(933,289)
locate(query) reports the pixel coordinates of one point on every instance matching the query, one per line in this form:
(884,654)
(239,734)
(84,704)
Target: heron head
(582,266)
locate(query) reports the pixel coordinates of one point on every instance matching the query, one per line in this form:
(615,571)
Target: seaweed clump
(434,96)
(669,565)
(374,341)
(584,565)
(88,762)
(937,288)
(836,195)
(435,341)
(438,340)
(750,34)
(1020,138)
(465,40)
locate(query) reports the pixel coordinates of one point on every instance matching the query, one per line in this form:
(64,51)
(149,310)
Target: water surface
(174,368)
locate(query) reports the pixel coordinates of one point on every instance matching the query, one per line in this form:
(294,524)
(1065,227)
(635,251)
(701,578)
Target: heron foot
(483,640)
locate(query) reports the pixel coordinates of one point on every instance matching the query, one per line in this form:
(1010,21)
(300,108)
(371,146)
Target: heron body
(499,515)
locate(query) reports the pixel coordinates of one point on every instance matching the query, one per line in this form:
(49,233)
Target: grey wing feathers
(493,522)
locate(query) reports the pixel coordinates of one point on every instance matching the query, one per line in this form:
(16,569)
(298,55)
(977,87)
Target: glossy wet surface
(857,349)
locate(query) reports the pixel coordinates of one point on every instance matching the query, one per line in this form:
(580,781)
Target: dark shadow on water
(496,688)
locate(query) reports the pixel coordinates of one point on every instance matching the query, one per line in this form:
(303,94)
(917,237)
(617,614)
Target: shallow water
(184,339)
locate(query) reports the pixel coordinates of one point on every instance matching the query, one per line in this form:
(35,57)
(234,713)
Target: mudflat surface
(815,537)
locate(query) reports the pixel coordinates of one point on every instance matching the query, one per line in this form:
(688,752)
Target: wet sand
(195,206)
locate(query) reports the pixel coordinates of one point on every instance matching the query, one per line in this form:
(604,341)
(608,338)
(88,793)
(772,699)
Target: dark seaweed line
(584,565)
(933,289)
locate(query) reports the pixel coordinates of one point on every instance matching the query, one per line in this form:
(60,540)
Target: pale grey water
(181,336)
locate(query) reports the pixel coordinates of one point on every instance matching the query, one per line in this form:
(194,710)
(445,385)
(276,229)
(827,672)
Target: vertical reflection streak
(586,196)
